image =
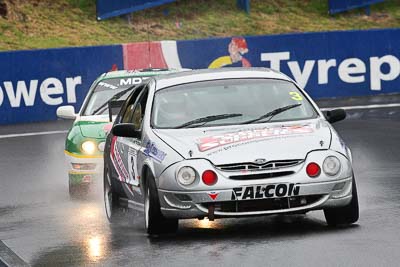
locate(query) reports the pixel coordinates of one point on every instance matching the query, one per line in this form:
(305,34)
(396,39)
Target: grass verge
(62,23)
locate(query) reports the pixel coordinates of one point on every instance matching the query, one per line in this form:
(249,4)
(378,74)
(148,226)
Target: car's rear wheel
(155,222)
(111,199)
(344,215)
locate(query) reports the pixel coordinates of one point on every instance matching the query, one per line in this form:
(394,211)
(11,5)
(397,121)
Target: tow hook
(211,210)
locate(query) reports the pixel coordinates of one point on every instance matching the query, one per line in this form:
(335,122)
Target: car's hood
(94,126)
(235,144)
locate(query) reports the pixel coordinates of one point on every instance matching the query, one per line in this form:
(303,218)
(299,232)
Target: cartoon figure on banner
(237,48)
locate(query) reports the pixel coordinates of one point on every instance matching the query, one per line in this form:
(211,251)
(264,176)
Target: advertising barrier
(327,64)
(34,83)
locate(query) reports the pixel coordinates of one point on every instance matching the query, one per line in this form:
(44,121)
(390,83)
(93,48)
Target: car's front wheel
(111,199)
(155,222)
(344,215)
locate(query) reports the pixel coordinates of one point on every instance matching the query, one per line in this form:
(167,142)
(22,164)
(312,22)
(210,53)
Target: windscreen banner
(336,6)
(327,64)
(112,8)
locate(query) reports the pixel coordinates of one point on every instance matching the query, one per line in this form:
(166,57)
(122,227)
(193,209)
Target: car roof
(171,79)
(136,73)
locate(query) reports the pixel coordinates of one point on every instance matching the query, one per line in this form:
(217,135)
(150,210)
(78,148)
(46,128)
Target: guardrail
(337,6)
(112,8)
(328,64)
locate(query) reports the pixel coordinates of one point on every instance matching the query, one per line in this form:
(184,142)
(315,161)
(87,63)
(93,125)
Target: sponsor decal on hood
(107,128)
(211,142)
(240,143)
(94,129)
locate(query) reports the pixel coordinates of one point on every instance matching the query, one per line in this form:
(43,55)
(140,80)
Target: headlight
(88,147)
(331,165)
(186,176)
(101,146)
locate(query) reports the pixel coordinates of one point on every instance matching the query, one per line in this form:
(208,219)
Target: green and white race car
(85,140)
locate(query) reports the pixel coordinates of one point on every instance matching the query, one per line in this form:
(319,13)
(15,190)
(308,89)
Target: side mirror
(126,130)
(335,115)
(66,112)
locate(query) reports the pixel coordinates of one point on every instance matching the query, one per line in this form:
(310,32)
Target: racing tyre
(78,191)
(111,199)
(155,222)
(344,215)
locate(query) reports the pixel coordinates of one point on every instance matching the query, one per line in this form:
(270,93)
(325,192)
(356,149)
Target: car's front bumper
(247,193)
(199,204)
(83,175)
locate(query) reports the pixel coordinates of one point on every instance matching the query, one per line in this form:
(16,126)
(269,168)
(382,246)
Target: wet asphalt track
(40,224)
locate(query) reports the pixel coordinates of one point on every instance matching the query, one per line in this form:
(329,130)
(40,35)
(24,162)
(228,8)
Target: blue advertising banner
(327,64)
(336,6)
(34,83)
(112,8)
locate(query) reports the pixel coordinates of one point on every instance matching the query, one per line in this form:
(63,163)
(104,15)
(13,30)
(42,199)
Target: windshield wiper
(209,119)
(114,97)
(272,113)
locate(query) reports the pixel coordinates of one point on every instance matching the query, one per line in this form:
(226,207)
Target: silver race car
(226,143)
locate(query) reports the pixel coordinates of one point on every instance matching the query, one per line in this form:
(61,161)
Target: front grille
(84,166)
(260,175)
(264,204)
(252,166)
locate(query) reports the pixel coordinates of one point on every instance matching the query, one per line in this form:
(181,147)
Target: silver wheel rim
(147,208)
(108,198)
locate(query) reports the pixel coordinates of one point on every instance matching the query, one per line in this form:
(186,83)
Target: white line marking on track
(394,105)
(31,134)
(9,257)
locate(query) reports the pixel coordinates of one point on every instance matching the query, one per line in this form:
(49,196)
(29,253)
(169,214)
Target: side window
(139,110)
(126,117)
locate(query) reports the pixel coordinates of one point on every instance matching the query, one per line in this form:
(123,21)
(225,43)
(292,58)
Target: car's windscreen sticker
(107,85)
(211,142)
(132,81)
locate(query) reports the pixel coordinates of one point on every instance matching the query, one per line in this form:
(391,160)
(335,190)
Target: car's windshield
(106,89)
(253,99)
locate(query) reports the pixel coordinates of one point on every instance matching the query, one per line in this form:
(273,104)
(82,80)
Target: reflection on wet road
(43,226)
